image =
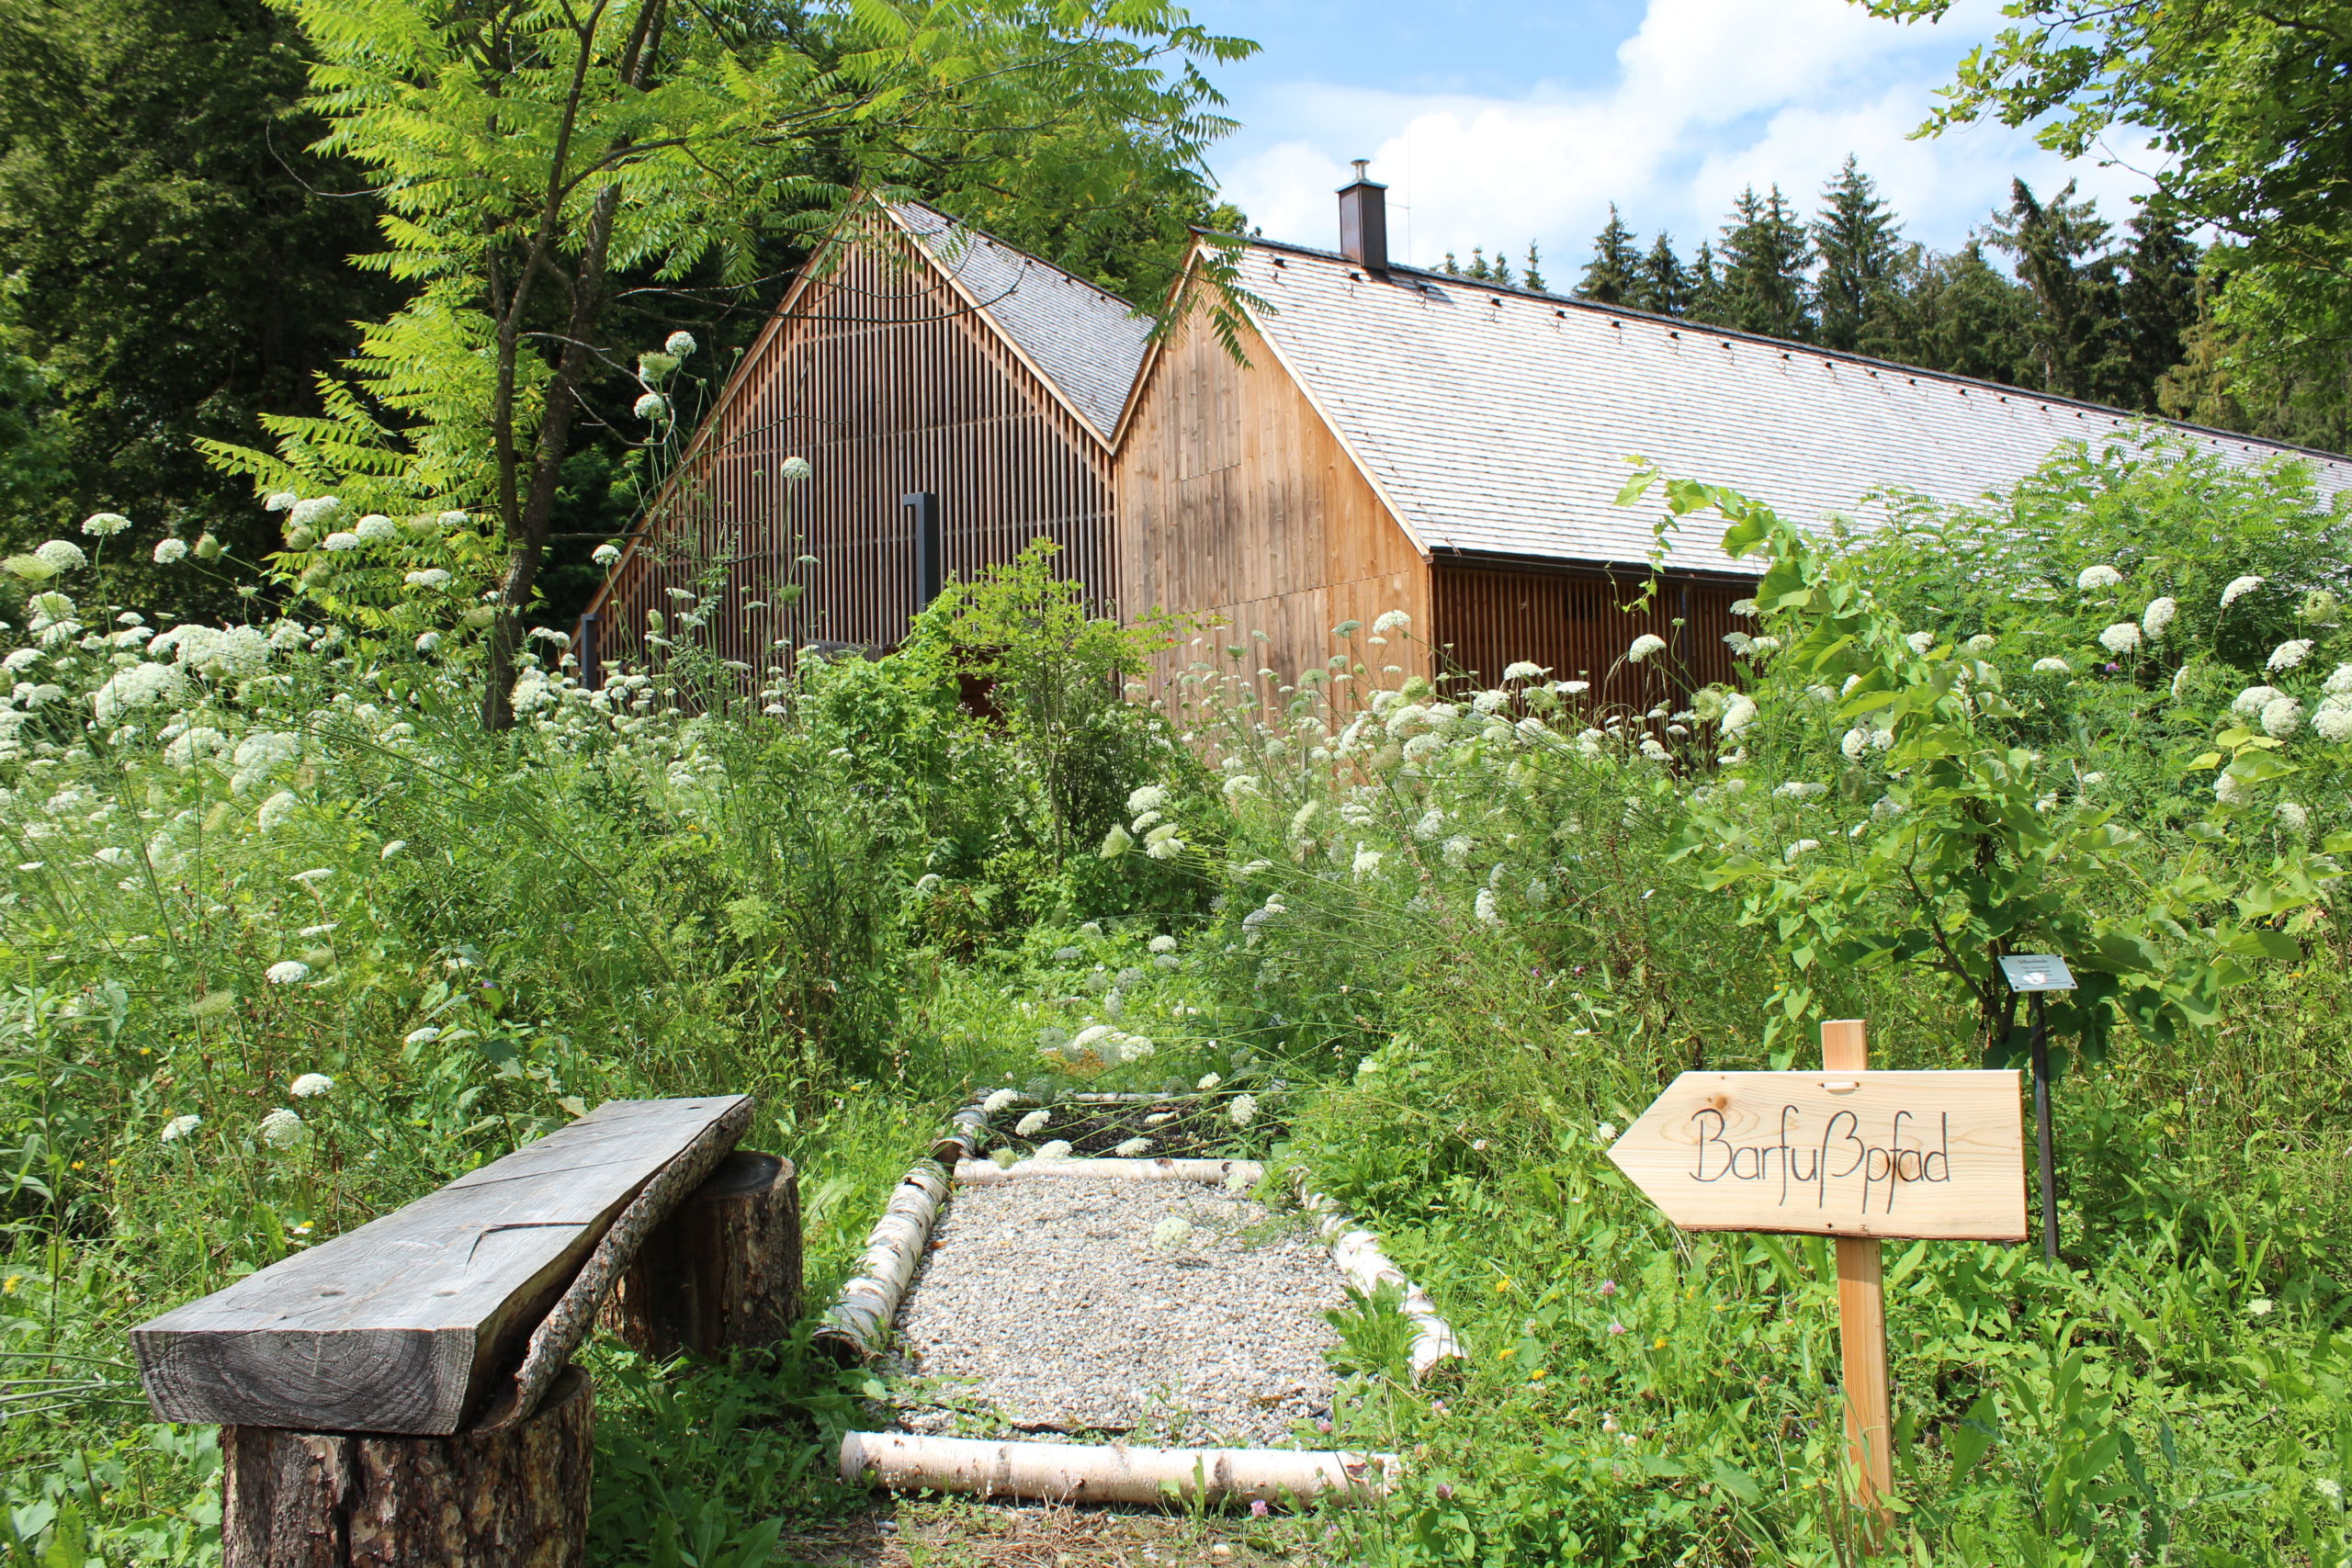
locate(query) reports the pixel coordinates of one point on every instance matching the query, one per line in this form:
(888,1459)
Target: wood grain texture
(1576,625)
(402,1325)
(517,1498)
(723,1271)
(1238,503)
(1861,1315)
(1839,1152)
(1114,1472)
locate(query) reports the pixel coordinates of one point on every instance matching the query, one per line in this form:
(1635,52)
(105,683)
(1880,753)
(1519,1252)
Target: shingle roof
(1088,342)
(1499,421)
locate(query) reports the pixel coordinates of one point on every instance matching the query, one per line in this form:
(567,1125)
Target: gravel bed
(1047,1306)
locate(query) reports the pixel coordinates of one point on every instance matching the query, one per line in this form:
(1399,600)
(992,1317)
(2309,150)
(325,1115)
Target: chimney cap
(1363,175)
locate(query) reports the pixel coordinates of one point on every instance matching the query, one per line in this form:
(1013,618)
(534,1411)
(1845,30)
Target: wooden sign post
(1846,1153)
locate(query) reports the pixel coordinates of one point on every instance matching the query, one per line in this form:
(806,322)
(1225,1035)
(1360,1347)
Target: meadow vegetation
(292,940)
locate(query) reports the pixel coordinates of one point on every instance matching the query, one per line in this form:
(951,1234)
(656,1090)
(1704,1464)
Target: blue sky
(1497,123)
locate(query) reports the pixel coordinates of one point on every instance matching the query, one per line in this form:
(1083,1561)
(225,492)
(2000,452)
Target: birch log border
(1357,1253)
(1114,1473)
(860,1318)
(1216,1172)
(966,1135)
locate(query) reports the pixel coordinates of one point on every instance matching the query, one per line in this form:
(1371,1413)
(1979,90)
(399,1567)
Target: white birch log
(1087,1472)
(860,1318)
(982,1173)
(968,1134)
(1357,1253)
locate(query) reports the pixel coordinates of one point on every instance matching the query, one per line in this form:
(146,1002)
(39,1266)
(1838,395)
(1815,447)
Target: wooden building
(1392,439)
(954,399)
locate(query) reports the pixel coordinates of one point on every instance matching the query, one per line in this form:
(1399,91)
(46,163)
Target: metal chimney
(1364,221)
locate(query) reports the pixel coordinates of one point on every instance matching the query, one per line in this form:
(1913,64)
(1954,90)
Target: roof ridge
(1026,256)
(1870,362)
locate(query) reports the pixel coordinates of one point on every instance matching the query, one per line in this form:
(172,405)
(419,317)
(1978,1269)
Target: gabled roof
(1497,422)
(1086,342)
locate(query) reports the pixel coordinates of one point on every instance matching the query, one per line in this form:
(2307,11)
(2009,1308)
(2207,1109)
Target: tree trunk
(1088,1472)
(514,1498)
(723,1271)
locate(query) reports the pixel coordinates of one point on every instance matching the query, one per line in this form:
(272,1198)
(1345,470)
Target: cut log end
(514,1498)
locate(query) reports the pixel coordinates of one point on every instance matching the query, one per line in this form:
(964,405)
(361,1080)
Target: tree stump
(512,1498)
(723,1271)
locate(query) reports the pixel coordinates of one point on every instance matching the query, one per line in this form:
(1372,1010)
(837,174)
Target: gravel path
(1046,1304)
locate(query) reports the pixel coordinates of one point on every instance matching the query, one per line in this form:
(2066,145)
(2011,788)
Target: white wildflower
(170,550)
(1981,644)
(1391,620)
(279,501)
(430,577)
(2293,818)
(1605,1132)
(2123,637)
(796,469)
(2051,665)
(1029,1127)
(651,406)
(1173,1234)
(996,1102)
(1802,847)
(1150,798)
(1486,908)
(2238,589)
(1885,808)
(340,541)
(1919,642)
(290,971)
(310,1085)
(1209,1081)
(2288,654)
(1367,862)
(451,520)
(101,525)
(1057,1150)
(2332,724)
(2281,717)
(1643,645)
(1738,713)
(1161,944)
(179,1127)
(137,686)
(1571,688)
(1522,670)
(2092,578)
(1742,607)
(2230,790)
(277,809)
(313,877)
(2158,616)
(1854,742)
(680,344)
(427,641)
(1799,789)
(375,528)
(281,1129)
(608,555)
(1134,1148)
(61,555)
(1739,642)
(318,509)
(2253,699)
(1654,751)
(1243,1110)
(391,848)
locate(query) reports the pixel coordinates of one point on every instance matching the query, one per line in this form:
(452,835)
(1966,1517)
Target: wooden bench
(403,1394)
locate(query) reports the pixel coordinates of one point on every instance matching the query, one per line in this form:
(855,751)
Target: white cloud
(1709,95)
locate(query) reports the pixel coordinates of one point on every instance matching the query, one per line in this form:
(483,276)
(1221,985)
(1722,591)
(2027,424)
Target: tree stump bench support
(405,1393)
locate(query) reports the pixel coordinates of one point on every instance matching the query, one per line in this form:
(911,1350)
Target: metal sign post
(2036,975)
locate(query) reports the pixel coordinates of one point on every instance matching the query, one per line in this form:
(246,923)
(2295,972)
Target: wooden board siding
(1570,623)
(1237,504)
(888,383)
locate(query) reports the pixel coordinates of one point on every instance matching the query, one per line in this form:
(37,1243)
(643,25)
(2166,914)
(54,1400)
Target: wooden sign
(1828,1153)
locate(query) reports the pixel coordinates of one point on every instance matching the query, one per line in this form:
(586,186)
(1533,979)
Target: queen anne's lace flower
(680,344)
(1029,1127)
(1057,1150)
(1739,712)
(339,541)
(310,1085)
(1243,1110)
(61,555)
(2093,578)
(2281,717)
(651,406)
(279,501)
(1919,642)
(2159,614)
(1981,644)
(1134,1148)
(1173,1234)
(1742,607)
(1802,847)
(170,550)
(102,524)
(2052,665)
(277,809)
(179,1127)
(2289,654)
(2230,790)
(317,509)
(290,971)
(1162,944)
(2238,589)
(430,577)
(1522,670)
(2123,637)
(2333,722)
(281,1129)
(1643,645)
(2253,699)
(2293,818)
(608,555)
(1391,621)
(796,469)
(375,528)
(1486,908)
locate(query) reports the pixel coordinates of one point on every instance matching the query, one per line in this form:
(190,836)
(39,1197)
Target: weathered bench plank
(401,1325)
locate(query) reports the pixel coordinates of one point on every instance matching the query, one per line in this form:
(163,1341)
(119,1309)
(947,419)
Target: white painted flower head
(288,972)
(1643,645)
(2250,702)
(277,810)
(427,641)
(313,877)
(168,551)
(2050,664)
(179,1127)
(1209,1081)
(279,501)
(1134,1148)
(281,1129)
(1029,1127)
(1739,712)
(310,1085)
(318,509)
(425,1036)
(2230,790)
(103,525)
(1605,1132)
(2333,722)
(2123,637)
(1919,642)
(61,555)
(2157,618)
(2238,589)
(2289,654)
(1149,797)
(377,528)
(999,1101)
(2281,717)
(1392,620)
(1163,944)
(340,541)
(1742,607)
(1057,1150)
(1243,1110)
(2091,578)
(680,344)
(796,469)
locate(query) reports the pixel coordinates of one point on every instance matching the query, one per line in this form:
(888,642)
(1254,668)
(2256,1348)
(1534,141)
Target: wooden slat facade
(888,380)
(1238,504)
(1576,625)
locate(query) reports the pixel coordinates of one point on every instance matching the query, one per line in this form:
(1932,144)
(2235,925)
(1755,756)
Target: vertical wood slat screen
(1571,625)
(886,383)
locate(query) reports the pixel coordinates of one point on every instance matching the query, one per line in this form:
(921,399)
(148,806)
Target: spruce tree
(2061,251)
(1609,275)
(1534,275)
(1663,285)
(1706,286)
(1860,244)
(1766,251)
(1959,313)
(2159,303)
